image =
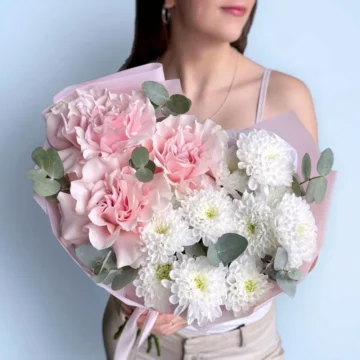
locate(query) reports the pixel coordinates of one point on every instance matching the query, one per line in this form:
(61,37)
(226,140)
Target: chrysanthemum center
(272,154)
(161,229)
(250,286)
(200,282)
(233,164)
(251,228)
(163,272)
(211,213)
(301,229)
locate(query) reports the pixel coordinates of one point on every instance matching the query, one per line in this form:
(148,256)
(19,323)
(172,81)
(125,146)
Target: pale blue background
(49,309)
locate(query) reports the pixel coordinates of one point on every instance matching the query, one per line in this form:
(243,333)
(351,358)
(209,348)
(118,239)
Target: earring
(165,15)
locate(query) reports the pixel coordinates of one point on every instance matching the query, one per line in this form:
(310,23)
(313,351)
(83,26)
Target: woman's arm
(289,93)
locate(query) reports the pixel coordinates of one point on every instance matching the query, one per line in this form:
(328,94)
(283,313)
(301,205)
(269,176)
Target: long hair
(152,36)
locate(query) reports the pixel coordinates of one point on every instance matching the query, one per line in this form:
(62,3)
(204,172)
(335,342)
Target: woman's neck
(202,65)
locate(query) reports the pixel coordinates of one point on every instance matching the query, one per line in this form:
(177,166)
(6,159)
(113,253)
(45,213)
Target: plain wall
(49,310)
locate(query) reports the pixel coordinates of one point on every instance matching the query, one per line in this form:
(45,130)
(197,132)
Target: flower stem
(121,328)
(157,344)
(316,177)
(149,344)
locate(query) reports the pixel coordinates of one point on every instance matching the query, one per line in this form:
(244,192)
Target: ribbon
(128,336)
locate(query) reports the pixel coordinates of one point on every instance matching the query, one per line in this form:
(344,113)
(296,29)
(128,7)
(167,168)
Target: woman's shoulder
(288,93)
(289,89)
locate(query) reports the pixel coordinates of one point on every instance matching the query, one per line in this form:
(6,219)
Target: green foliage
(178,104)
(306,167)
(295,274)
(296,187)
(145,168)
(125,276)
(316,190)
(46,187)
(156,92)
(287,285)
(48,179)
(326,162)
(281,259)
(195,250)
(228,247)
(140,157)
(144,175)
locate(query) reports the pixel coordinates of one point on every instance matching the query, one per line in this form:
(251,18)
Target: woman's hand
(165,324)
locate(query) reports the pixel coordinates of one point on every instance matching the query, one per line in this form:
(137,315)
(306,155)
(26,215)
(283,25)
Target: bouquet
(172,215)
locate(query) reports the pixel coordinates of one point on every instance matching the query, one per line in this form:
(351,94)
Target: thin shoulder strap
(262,95)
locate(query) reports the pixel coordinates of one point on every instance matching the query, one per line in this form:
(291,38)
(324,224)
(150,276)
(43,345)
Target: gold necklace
(229,90)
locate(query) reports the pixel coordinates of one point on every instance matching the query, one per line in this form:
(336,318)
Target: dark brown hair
(152,35)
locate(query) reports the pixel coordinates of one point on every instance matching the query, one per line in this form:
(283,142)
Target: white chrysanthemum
(295,229)
(230,176)
(246,286)
(267,158)
(273,194)
(198,287)
(167,233)
(210,212)
(254,221)
(148,285)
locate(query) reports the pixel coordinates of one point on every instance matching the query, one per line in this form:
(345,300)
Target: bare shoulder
(287,93)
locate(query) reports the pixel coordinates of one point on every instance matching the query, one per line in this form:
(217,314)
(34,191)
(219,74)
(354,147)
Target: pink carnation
(189,152)
(115,205)
(96,122)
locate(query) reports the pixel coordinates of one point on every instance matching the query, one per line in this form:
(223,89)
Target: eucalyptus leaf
(306,167)
(229,247)
(110,277)
(154,105)
(111,262)
(167,112)
(295,274)
(281,259)
(97,268)
(310,191)
(106,259)
(179,104)
(125,276)
(46,187)
(131,164)
(195,250)
(325,162)
(54,166)
(212,256)
(271,272)
(140,156)
(296,187)
(40,157)
(151,166)
(320,184)
(156,92)
(89,256)
(297,177)
(144,175)
(287,285)
(100,277)
(36,174)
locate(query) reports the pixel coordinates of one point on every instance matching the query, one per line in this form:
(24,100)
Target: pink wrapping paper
(287,126)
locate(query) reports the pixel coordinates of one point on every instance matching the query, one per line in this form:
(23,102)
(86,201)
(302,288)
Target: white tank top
(260,313)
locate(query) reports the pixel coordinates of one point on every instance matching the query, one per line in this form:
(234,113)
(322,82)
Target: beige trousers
(258,341)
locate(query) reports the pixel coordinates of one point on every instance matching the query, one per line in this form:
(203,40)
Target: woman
(202,43)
